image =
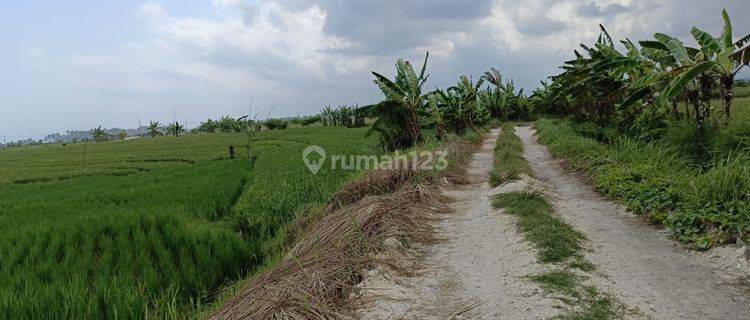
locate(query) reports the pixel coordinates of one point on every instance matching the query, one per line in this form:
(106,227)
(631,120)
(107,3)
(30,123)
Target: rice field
(152,228)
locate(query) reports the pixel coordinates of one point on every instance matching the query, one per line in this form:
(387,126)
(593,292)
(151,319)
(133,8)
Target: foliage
(175,129)
(639,89)
(457,108)
(349,116)
(397,116)
(154,129)
(701,206)
(99,134)
(501,100)
(273,124)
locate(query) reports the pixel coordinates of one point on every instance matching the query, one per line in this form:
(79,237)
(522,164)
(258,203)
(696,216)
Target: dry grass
(337,246)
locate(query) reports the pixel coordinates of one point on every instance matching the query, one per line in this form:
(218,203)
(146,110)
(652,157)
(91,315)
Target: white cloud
(299,55)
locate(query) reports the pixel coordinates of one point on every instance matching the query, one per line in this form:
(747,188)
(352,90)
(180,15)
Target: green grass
(555,240)
(704,203)
(509,163)
(558,281)
(741,92)
(596,307)
(152,227)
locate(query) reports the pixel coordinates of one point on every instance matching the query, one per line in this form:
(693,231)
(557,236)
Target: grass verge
(509,162)
(701,206)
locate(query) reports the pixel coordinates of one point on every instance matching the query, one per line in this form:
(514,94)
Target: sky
(75,65)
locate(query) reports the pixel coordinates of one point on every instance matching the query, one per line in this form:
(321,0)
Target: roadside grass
(557,244)
(509,163)
(703,204)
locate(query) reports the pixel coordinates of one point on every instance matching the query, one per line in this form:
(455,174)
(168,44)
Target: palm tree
(99,134)
(154,128)
(398,115)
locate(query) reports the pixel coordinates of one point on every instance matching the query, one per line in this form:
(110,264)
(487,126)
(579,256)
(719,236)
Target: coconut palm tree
(154,129)
(397,116)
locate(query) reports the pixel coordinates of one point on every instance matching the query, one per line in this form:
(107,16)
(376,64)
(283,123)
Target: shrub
(273,124)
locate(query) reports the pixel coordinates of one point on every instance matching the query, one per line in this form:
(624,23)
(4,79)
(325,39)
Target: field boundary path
(641,266)
(479,271)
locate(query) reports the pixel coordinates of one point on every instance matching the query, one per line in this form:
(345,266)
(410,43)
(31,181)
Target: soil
(478,271)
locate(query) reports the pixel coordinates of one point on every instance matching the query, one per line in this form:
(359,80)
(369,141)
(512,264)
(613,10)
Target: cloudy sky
(79,64)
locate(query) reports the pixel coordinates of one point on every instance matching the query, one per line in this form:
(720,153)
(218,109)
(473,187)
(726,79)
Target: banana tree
(326,115)
(437,115)
(176,129)
(397,117)
(698,70)
(725,58)
(345,115)
(359,116)
(99,134)
(154,128)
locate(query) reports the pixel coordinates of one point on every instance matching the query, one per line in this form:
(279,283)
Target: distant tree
(176,129)
(122,135)
(273,124)
(99,134)
(208,126)
(154,129)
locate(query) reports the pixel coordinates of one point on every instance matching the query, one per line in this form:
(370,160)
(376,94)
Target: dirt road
(481,270)
(643,269)
(478,272)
